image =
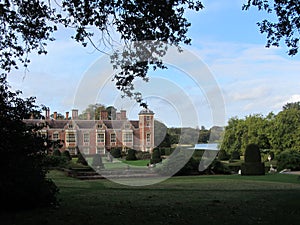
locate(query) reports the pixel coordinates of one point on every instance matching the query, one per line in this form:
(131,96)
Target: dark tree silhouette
(23,182)
(27,25)
(286,27)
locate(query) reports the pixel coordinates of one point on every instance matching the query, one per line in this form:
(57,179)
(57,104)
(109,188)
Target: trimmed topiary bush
(81,159)
(156,156)
(252,164)
(131,155)
(116,152)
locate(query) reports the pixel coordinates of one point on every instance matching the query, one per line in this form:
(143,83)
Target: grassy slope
(271,199)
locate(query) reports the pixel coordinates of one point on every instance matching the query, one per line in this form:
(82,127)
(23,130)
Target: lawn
(232,199)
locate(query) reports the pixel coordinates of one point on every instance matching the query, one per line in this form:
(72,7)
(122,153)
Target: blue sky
(251,78)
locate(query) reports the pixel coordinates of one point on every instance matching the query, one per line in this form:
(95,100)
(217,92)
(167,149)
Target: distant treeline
(274,133)
(166,137)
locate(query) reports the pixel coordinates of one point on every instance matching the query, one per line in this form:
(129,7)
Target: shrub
(142,155)
(288,159)
(131,155)
(55,161)
(116,152)
(81,159)
(67,155)
(252,164)
(252,153)
(191,167)
(235,155)
(156,156)
(217,167)
(56,152)
(222,155)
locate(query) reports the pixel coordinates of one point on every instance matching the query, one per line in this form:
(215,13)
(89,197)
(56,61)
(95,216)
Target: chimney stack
(47,114)
(118,116)
(88,115)
(123,115)
(74,114)
(67,115)
(55,115)
(103,115)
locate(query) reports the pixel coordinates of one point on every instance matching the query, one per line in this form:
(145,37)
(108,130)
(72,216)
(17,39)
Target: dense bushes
(156,156)
(142,155)
(81,159)
(131,155)
(235,155)
(252,164)
(67,155)
(222,155)
(288,159)
(116,152)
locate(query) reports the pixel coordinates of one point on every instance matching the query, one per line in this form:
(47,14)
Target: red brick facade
(99,136)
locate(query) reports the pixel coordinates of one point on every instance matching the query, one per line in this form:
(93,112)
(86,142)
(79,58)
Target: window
(147,124)
(55,136)
(147,118)
(127,126)
(99,126)
(112,137)
(100,151)
(70,137)
(100,138)
(127,137)
(70,126)
(86,138)
(148,137)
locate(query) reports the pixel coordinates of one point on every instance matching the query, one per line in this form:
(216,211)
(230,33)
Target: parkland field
(216,199)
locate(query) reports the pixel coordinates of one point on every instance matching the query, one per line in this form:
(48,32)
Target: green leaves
(287,26)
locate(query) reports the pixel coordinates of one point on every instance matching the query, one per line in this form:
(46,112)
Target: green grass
(142,163)
(231,199)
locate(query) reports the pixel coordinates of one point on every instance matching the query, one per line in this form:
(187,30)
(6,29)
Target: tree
(285,28)
(27,26)
(23,182)
(285,130)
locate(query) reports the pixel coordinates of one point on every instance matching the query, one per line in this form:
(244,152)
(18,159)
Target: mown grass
(232,199)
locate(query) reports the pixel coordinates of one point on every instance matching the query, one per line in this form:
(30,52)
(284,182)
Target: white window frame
(99,139)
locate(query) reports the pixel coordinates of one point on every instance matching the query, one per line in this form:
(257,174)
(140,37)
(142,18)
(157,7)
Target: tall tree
(27,25)
(23,182)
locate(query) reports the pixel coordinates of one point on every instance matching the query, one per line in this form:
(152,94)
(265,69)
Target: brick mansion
(99,136)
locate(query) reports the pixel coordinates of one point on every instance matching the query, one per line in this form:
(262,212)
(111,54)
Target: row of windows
(127,137)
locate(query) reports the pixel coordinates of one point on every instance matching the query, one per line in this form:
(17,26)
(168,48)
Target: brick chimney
(88,115)
(67,115)
(123,115)
(55,115)
(103,115)
(118,116)
(47,113)
(74,114)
